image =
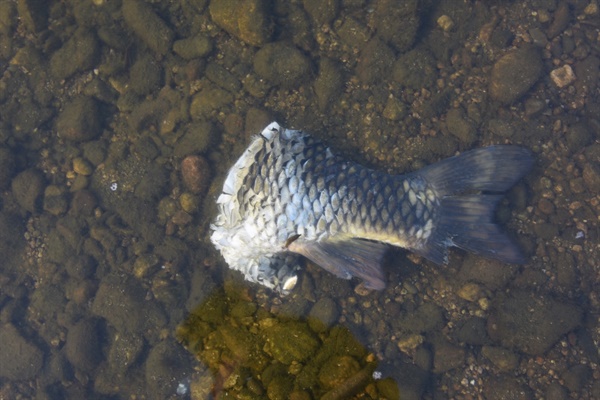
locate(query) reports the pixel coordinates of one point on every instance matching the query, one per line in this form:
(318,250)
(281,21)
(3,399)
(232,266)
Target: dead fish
(289,196)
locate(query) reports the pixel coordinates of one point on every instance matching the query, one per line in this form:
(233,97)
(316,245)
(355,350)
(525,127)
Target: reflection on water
(105,264)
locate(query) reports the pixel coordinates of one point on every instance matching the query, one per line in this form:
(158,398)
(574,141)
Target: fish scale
(289,196)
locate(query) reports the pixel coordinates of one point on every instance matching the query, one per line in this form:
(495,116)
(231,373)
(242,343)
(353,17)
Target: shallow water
(110,288)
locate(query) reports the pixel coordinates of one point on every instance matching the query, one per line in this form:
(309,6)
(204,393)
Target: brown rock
(195,172)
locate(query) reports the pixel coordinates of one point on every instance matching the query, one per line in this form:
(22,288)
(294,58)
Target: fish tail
(470,187)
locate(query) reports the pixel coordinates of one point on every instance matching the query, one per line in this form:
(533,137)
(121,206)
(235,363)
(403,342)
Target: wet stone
(122,303)
(375,61)
(33,14)
(329,82)
(7,167)
(397,23)
(27,188)
(167,365)
(415,69)
(446,356)
(82,346)
(148,26)
(321,11)
(555,391)
(323,314)
(193,47)
(505,360)
(282,64)
(246,19)
(145,75)
(195,172)
(79,120)
(55,200)
(531,324)
(196,139)
(591,177)
(576,377)
(514,74)
(506,388)
(19,359)
(460,126)
(290,341)
(336,370)
(79,53)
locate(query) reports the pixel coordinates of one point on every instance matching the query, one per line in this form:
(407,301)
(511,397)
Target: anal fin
(347,258)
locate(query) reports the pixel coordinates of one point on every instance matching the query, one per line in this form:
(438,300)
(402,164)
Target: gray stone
(83,346)
(19,359)
(79,53)
(148,26)
(531,323)
(514,74)
(27,188)
(282,64)
(79,120)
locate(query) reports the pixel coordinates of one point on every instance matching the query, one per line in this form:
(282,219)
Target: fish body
(289,196)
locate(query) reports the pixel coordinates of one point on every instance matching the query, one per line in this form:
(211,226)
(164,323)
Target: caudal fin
(470,186)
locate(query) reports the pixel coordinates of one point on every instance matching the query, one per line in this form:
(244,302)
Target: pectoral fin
(346,259)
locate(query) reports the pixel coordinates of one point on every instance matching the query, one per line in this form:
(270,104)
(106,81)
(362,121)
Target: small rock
(79,120)
(148,26)
(196,139)
(447,356)
(470,291)
(167,365)
(505,360)
(249,20)
(33,14)
(79,53)
(503,388)
(193,47)
(19,359)
(195,173)
(555,391)
(27,188)
(531,324)
(375,61)
(562,76)
(7,167)
(460,126)
(55,200)
(282,64)
(290,341)
(83,203)
(145,75)
(337,370)
(514,74)
(577,377)
(122,302)
(329,82)
(415,69)
(323,314)
(321,11)
(446,23)
(397,22)
(591,177)
(83,345)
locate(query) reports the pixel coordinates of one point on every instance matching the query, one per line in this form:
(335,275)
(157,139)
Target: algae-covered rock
(282,64)
(515,73)
(79,120)
(336,370)
(19,359)
(248,20)
(7,167)
(27,188)
(193,47)
(148,26)
(531,323)
(291,341)
(79,53)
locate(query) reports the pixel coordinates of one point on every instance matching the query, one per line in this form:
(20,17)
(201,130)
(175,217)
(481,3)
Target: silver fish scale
(288,186)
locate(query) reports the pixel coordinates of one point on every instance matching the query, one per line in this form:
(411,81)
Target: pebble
(248,20)
(195,172)
(148,26)
(79,120)
(82,345)
(504,359)
(193,47)
(7,167)
(19,359)
(591,177)
(530,323)
(27,188)
(79,53)
(446,23)
(507,85)
(562,76)
(282,64)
